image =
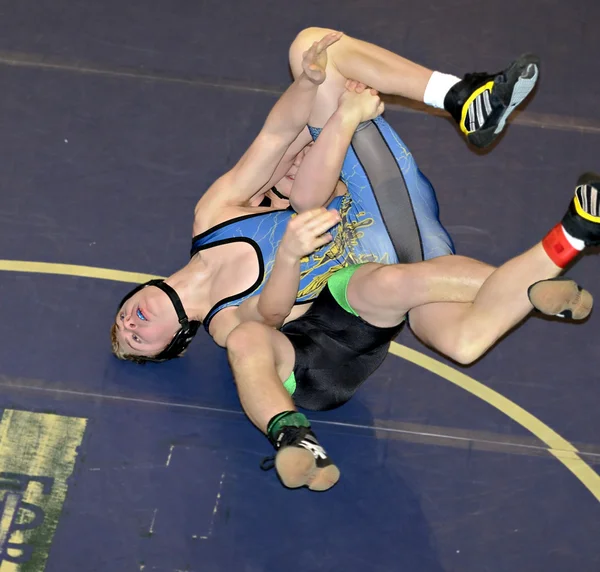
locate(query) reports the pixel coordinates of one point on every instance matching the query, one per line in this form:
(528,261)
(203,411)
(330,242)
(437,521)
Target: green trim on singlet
(290,384)
(338,286)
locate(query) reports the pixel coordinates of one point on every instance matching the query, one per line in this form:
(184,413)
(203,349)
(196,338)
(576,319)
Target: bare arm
(305,234)
(279,294)
(320,170)
(284,124)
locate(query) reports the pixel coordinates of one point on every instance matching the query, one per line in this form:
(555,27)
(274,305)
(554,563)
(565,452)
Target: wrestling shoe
(561,297)
(582,220)
(300,460)
(481,103)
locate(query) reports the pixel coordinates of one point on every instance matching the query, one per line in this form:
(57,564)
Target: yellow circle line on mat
(557,446)
(562,450)
(75,270)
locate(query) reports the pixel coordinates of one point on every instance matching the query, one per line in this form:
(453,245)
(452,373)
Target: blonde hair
(119,351)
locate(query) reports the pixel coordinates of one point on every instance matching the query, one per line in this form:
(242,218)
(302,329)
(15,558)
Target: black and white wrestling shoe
(301,461)
(481,103)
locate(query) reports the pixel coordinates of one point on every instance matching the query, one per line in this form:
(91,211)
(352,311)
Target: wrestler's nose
(128,321)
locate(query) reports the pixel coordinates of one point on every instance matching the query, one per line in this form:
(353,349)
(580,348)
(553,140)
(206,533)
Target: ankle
(285,419)
(437,88)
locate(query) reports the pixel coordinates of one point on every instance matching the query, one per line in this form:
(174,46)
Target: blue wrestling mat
(115,117)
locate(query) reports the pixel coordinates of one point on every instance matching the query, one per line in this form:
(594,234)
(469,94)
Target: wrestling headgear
(181,340)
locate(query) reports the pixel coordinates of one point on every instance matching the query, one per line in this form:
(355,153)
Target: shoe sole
(521,77)
(590,178)
(561,297)
(297,468)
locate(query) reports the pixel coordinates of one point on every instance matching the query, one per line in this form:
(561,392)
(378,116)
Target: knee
(464,354)
(465,349)
(244,338)
(393,282)
(304,40)
(311,34)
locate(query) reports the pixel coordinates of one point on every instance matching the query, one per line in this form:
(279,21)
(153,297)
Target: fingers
(317,221)
(359,87)
(322,240)
(316,229)
(328,40)
(319,47)
(353,85)
(309,230)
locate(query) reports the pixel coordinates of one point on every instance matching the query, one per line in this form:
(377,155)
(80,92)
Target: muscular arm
(305,233)
(319,172)
(284,124)
(279,294)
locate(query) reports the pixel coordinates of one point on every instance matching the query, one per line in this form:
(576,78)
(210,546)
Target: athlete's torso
(359,237)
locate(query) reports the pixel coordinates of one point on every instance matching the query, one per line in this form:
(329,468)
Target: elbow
(301,205)
(272,319)
(305,203)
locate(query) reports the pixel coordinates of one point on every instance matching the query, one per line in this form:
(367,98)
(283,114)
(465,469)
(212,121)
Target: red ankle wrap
(558,248)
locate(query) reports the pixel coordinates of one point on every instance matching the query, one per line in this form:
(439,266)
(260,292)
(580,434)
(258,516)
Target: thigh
(383,294)
(283,352)
(438,325)
(254,346)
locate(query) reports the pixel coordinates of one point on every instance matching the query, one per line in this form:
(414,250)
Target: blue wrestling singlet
(377,159)
(359,237)
(380,171)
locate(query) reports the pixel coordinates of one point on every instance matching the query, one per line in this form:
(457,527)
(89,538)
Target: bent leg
(480,103)
(382,295)
(261,359)
(355,59)
(464,332)
(372,65)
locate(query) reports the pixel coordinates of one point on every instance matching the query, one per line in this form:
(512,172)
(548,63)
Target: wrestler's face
(285,185)
(146,323)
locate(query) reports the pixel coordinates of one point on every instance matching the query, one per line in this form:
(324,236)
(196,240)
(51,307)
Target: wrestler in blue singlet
(378,171)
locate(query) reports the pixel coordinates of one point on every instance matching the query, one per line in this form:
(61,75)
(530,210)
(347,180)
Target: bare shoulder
(223,324)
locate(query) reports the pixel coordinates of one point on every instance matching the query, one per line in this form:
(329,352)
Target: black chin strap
(278,194)
(176,301)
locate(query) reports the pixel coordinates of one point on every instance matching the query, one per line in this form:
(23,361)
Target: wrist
(347,117)
(286,258)
(306,83)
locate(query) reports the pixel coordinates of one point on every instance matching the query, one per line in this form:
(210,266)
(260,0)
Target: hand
(362,102)
(314,60)
(307,232)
